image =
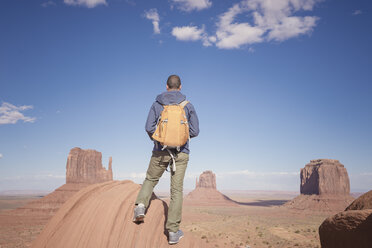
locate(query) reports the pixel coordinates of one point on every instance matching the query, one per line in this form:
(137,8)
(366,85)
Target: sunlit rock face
(324,177)
(85,166)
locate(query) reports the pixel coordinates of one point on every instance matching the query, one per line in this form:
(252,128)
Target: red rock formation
(205,192)
(324,176)
(85,166)
(49,204)
(206,180)
(324,186)
(320,203)
(101,216)
(351,228)
(362,202)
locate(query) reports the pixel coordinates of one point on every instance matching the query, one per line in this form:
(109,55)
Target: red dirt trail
(101,215)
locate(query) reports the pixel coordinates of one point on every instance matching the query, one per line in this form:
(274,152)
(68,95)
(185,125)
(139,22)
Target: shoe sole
(139,218)
(173,243)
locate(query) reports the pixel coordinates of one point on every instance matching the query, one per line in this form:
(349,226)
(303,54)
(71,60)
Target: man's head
(173,83)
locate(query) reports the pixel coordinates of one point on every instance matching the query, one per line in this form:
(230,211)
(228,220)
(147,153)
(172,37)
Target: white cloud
(233,35)
(1,155)
(357,12)
(10,114)
(40,176)
(131,175)
(190,5)
(270,21)
(48,3)
(188,33)
(153,15)
(256,173)
(193,33)
(86,3)
(366,174)
(292,27)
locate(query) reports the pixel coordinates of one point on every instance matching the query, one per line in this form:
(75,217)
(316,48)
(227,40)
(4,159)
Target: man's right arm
(151,121)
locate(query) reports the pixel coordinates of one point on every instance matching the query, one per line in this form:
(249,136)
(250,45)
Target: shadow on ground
(263,203)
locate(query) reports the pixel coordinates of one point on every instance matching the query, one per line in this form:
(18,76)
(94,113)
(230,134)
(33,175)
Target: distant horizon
(186,190)
(164,183)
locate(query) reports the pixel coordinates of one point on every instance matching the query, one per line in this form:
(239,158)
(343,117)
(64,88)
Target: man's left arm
(193,121)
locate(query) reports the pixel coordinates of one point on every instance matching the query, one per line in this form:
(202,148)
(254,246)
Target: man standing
(162,157)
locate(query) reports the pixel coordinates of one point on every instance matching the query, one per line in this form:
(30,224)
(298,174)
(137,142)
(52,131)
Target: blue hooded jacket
(168,98)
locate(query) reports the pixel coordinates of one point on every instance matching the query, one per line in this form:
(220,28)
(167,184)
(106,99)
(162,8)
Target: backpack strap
(184,103)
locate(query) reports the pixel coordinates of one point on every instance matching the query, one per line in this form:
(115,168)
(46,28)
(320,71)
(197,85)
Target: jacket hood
(170,97)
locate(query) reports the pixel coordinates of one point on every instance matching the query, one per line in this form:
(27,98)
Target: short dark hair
(174,82)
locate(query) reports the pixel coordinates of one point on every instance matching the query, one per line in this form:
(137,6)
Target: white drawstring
(174,161)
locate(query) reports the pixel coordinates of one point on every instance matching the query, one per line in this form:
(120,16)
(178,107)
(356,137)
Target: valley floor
(256,223)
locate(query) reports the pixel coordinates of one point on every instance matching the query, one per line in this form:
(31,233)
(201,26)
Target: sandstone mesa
(206,193)
(325,186)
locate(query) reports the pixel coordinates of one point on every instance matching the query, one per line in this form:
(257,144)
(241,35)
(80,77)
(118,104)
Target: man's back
(170,98)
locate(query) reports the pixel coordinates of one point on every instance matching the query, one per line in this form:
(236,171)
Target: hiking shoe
(139,213)
(174,237)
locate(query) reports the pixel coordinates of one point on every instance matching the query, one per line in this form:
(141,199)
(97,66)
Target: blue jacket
(168,98)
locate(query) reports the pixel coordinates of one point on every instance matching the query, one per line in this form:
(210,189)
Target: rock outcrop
(206,180)
(85,166)
(362,202)
(206,193)
(324,176)
(101,216)
(350,228)
(325,186)
(49,204)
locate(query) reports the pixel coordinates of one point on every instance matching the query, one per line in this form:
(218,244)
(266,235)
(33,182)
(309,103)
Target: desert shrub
(297,231)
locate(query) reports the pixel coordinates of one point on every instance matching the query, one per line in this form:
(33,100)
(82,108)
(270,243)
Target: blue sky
(275,84)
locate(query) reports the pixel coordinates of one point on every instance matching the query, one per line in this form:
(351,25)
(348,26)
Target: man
(161,158)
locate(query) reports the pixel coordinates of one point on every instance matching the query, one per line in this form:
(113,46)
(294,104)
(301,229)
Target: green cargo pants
(158,163)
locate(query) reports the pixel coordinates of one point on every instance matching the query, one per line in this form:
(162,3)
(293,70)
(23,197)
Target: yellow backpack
(172,130)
